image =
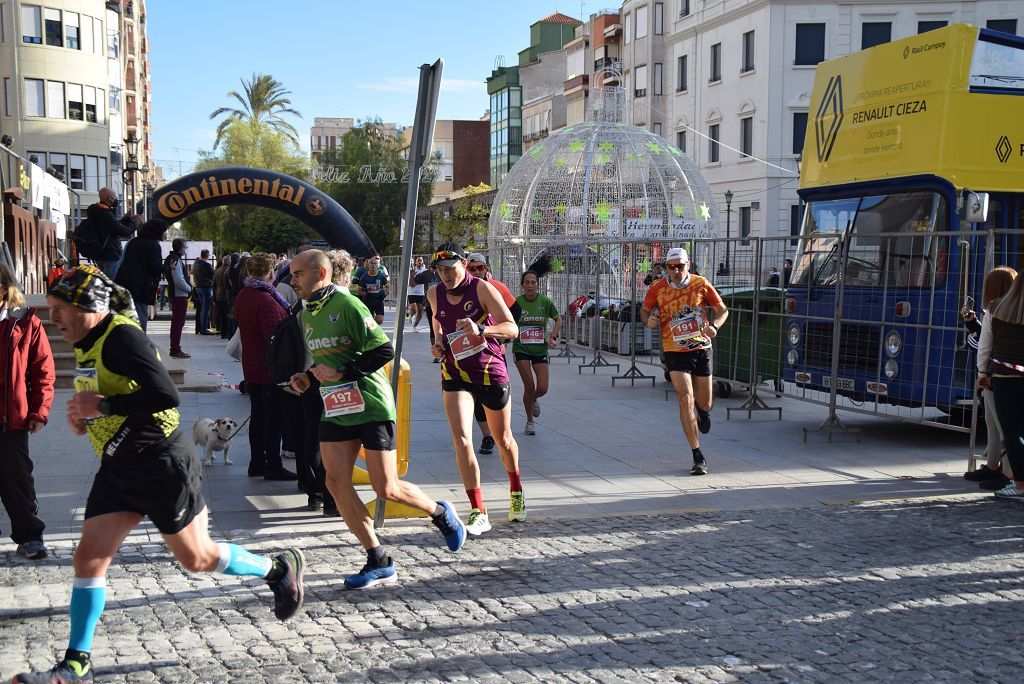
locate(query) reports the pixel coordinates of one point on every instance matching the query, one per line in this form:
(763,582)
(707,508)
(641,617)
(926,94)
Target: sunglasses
(477,267)
(676,267)
(445,255)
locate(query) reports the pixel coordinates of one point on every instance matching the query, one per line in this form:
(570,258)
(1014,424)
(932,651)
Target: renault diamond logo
(1003,149)
(829,118)
(906,52)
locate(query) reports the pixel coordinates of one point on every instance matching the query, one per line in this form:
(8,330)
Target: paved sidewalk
(768,569)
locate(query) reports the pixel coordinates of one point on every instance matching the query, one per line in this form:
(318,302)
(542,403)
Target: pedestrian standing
(220,295)
(991,475)
(202,276)
(471,321)
(177,282)
(530,349)
(349,351)
(109,230)
(127,405)
(26,392)
(1002,343)
(689,312)
(258,310)
(142,267)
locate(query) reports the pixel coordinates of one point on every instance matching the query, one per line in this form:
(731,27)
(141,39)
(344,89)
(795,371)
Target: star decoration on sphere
(603,211)
(577,146)
(560,208)
(606,146)
(536,216)
(556,265)
(536,149)
(677,209)
(561,161)
(506,210)
(703,211)
(645,265)
(602,158)
(653,147)
(675,150)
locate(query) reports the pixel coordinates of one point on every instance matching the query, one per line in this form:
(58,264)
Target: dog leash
(239,428)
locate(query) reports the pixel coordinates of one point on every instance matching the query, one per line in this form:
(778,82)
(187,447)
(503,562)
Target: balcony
(577,84)
(612,30)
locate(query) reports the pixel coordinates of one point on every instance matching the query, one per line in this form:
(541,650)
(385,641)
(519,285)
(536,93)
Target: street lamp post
(728,229)
(131,165)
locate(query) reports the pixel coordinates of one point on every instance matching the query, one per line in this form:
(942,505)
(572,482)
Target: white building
(741,72)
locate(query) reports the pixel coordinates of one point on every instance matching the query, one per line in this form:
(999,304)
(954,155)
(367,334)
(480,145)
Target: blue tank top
(480,362)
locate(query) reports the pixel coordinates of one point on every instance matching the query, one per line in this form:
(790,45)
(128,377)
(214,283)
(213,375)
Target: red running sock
(476,498)
(513,482)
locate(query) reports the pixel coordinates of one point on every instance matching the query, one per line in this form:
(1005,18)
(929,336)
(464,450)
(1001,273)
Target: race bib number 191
(342,400)
(685,330)
(464,345)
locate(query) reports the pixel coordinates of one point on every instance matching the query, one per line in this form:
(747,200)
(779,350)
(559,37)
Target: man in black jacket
(110,230)
(202,277)
(142,267)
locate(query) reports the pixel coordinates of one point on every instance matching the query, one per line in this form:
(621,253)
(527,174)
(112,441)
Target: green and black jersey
(533,325)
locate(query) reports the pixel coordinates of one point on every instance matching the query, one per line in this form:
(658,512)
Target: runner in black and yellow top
(349,353)
(531,347)
(127,405)
(689,312)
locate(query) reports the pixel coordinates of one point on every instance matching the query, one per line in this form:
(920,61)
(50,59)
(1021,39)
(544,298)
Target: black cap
(448,254)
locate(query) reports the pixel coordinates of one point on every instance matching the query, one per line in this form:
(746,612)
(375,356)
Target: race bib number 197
(342,400)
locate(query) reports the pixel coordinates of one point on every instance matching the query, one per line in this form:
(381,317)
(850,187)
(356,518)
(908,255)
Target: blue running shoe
(372,575)
(452,529)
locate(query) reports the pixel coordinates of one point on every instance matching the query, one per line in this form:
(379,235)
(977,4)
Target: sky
(338,58)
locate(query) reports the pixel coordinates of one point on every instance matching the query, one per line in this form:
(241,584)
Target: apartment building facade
(458,155)
(729,82)
(75,85)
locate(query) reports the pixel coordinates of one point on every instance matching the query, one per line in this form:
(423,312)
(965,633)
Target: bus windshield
(890,241)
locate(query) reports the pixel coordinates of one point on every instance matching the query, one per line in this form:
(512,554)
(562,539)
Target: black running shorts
(415,299)
(374,436)
(696,363)
(376,307)
(162,482)
(532,358)
(494,397)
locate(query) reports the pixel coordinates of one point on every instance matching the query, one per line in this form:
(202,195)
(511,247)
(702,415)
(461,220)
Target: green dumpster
(732,345)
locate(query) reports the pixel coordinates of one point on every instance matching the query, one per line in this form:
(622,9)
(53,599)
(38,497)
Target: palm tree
(264,102)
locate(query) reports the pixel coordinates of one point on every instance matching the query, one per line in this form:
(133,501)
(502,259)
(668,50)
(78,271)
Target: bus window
(891,241)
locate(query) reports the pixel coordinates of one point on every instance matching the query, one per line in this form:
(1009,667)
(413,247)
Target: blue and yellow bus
(914,161)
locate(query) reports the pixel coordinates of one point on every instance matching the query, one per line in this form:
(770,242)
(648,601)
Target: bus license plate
(843,384)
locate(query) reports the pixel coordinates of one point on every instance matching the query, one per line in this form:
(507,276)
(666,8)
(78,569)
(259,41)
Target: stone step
(66,379)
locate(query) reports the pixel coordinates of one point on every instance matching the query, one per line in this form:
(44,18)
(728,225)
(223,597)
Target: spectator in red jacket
(26,392)
(258,309)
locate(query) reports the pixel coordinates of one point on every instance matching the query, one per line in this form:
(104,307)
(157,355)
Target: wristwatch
(104,407)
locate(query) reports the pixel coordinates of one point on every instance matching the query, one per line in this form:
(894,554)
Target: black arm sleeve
(368,362)
(129,352)
(517,311)
(973,326)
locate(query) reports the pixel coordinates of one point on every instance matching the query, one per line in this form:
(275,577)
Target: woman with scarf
(259,307)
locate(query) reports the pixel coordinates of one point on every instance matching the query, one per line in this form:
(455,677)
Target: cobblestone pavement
(915,590)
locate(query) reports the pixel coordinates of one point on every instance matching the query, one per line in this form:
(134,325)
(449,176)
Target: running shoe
(703,419)
(64,672)
(288,588)
(517,509)
(452,529)
(536,409)
(700,466)
(372,575)
(486,446)
(983,473)
(995,485)
(33,550)
(1010,491)
(478,522)
(530,428)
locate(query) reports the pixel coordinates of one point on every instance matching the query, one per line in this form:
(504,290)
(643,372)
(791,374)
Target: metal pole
(634,373)
(422,133)
(595,322)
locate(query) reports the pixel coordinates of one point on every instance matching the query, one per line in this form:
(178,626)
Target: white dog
(213,436)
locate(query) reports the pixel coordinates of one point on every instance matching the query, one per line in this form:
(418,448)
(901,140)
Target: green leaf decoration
(677,209)
(577,146)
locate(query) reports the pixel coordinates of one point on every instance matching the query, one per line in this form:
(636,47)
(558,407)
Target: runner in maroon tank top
(470,322)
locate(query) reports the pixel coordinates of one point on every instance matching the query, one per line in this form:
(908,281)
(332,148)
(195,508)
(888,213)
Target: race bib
(464,345)
(373,288)
(87,380)
(342,400)
(531,334)
(685,330)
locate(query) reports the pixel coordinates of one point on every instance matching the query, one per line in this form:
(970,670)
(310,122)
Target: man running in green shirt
(349,352)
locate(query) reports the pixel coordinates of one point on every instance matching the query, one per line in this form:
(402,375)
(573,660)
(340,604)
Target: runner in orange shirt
(689,313)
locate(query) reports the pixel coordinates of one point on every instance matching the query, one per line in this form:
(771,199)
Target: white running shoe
(529,429)
(477,523)
(517,508)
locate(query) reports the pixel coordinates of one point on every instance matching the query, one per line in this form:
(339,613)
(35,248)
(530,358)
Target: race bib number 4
(464,345)
(532,334)
(685,330)
(342,400)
